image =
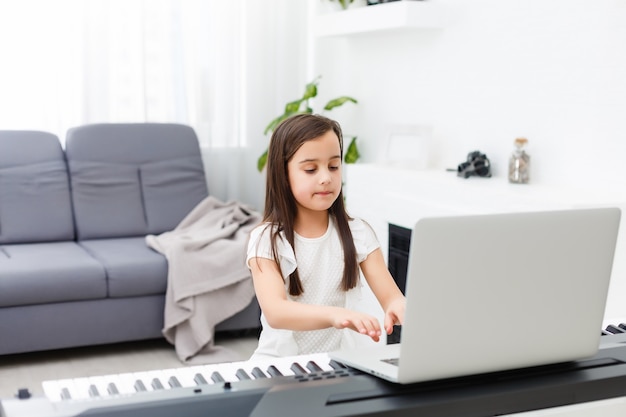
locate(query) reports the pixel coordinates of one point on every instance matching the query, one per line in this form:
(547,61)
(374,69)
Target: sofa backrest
(133,179)
(35,203)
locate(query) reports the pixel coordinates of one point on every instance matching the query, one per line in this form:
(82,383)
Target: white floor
(29,370)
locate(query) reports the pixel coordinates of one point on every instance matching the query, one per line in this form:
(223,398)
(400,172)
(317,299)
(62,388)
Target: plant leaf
(310,90)
(294,106)
(352,154)
(262,161)
(339,101)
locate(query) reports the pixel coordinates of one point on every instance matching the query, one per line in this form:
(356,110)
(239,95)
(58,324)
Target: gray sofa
(74,266)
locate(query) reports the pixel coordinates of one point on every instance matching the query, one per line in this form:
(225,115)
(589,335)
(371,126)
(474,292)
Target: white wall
(553,71)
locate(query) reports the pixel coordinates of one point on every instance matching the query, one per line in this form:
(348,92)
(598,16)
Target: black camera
(477,164)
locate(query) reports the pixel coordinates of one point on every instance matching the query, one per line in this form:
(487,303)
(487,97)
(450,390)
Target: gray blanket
(208,280)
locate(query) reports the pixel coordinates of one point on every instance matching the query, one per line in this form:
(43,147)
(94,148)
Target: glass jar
(519,163)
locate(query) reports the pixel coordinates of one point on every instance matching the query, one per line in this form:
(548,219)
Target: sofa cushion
(108,200)
(38,273)
(170,189)
(133,179)
(35,203)
(132,268)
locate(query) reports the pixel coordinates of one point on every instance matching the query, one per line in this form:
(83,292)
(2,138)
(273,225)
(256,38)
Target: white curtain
(68,62)
(199,62)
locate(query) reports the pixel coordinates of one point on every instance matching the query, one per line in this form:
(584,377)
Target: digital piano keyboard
(313,385)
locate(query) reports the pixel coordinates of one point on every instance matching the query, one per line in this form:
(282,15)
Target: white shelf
(405,14)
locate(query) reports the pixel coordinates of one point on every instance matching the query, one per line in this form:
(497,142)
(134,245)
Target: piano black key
(199,379)
(336,365)
(614,329)
(622,326)
(156,384)
(313,367)
(298,369)
(242,375)
(112,389)
(273,371)
(140,386)
(65,394)
(93,391)
(605,333)
(174,382)
(258,373)
(216,377)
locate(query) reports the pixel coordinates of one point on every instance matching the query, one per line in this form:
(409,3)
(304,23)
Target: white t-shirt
(320,266)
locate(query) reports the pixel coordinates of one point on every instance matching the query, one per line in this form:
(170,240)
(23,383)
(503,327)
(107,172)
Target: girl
(307,255)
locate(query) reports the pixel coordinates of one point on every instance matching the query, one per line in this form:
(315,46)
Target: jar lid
(521,141)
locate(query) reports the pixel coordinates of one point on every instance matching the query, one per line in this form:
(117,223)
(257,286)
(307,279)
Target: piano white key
(321,359)
(245,368)
(100,383)
(144,377)
(228,371)
(164,376)
(282,364)
(52,390)
(183,375)
(125,383)
(156,375)
(248,368)
(189,375)
(78,388)
(148,378)
(86,386)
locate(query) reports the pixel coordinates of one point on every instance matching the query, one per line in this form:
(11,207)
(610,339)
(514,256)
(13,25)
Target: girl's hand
(359,322)
(394,314)
(385,289)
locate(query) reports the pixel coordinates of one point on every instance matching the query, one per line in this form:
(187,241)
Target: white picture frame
(407,145)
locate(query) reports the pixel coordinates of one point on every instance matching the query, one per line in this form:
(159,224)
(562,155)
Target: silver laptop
(496,292)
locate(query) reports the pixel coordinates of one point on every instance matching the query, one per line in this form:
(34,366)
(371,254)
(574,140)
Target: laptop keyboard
(392,361)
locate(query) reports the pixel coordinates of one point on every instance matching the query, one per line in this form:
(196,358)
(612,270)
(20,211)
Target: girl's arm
(385,289)
(282,313)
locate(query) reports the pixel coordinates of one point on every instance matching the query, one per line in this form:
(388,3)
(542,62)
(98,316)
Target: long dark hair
(280,204)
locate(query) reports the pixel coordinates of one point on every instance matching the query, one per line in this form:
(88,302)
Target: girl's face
(315,173)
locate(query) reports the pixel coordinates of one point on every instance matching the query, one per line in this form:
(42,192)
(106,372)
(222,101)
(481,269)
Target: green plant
(302,105)
(344,3)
